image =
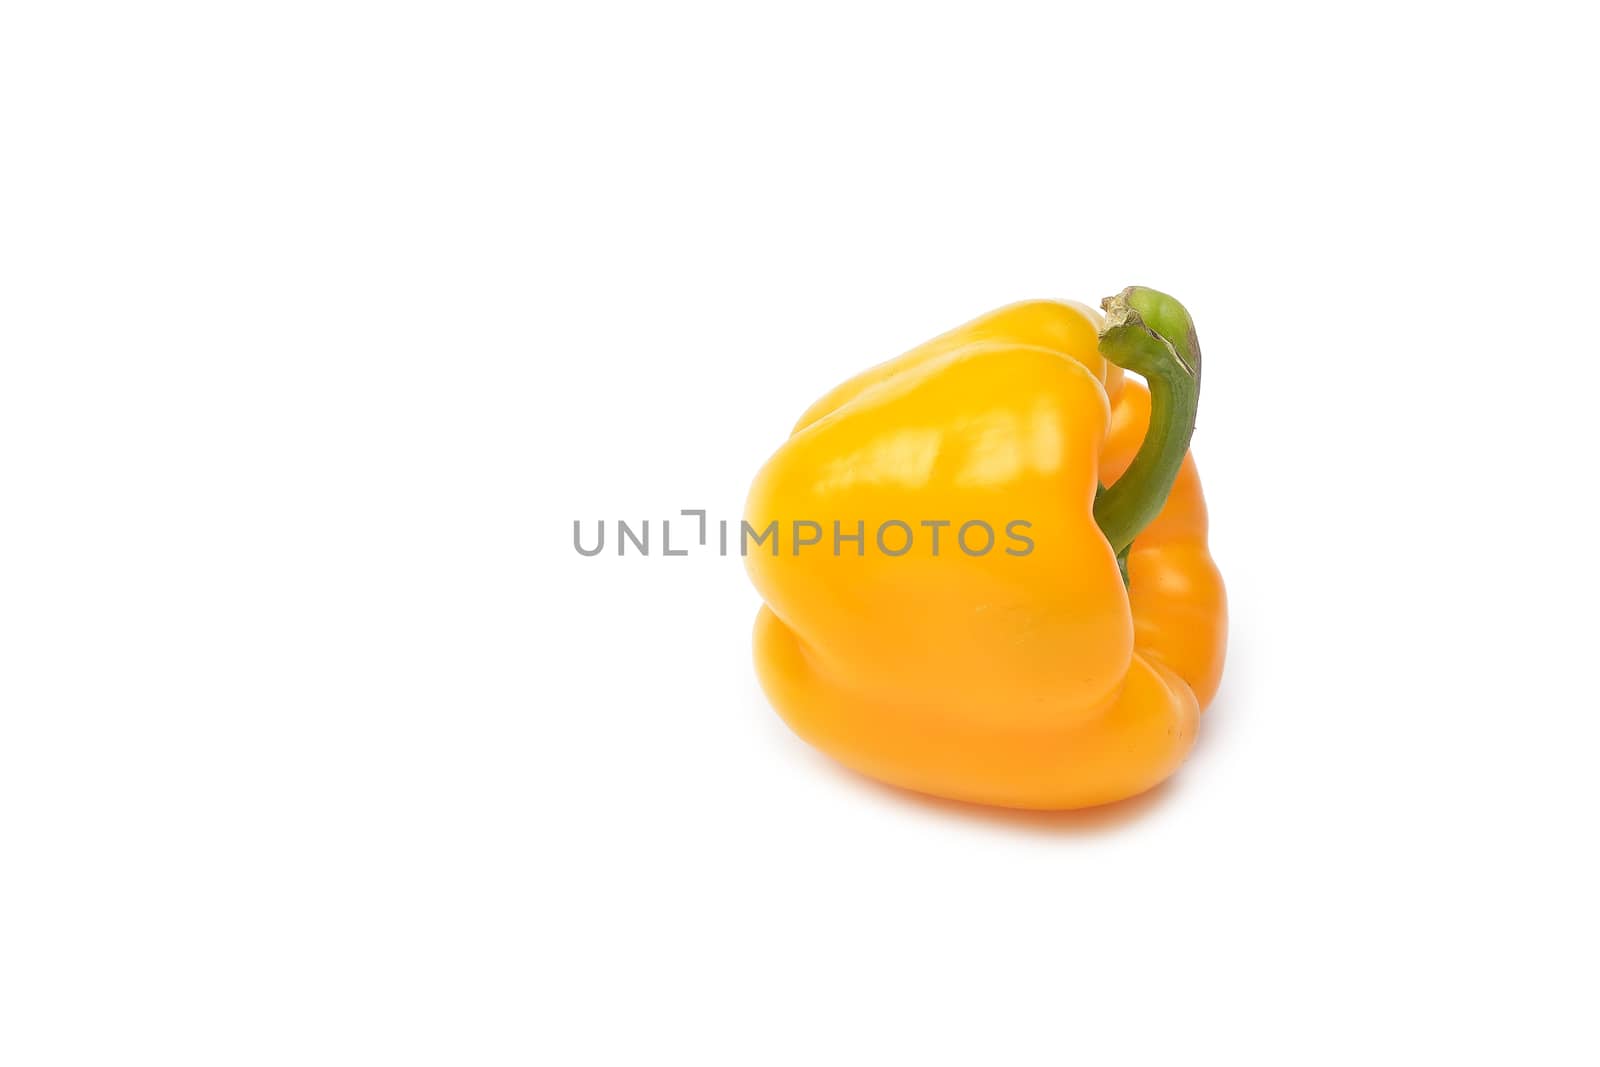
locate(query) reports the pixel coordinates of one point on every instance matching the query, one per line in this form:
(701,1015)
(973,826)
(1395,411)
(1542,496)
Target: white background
(320,323)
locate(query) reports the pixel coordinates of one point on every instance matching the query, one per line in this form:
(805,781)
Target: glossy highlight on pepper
(1069,676)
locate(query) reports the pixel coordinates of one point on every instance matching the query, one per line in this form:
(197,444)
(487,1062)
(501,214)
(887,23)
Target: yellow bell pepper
(985,572)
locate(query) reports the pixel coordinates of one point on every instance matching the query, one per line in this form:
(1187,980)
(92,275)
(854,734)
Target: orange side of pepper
(1030,679)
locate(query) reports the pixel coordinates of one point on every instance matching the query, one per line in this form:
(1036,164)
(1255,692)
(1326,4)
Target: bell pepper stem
(1152,335)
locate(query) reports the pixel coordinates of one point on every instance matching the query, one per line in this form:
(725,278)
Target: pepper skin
(1034,679)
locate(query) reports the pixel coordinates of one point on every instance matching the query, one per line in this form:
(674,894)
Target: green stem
(1152,335)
